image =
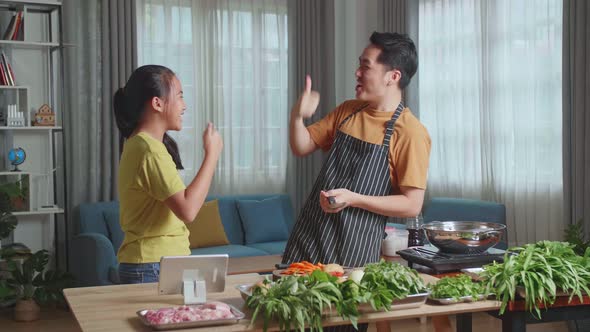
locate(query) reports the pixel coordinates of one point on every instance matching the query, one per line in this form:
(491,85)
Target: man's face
(372,77)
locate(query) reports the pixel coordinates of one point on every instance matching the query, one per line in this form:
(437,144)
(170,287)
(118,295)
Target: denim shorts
(139,273)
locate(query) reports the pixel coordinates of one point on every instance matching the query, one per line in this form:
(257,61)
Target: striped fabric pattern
(353,236)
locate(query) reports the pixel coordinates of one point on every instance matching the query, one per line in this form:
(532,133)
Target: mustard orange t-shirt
(147,177)
(410,144)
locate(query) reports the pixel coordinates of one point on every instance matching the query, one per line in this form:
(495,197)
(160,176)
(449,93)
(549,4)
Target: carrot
(303,267)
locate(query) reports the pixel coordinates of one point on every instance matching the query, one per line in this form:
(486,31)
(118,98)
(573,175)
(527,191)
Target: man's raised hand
(308,101)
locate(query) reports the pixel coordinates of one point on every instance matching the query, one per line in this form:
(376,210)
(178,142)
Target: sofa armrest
(91,256)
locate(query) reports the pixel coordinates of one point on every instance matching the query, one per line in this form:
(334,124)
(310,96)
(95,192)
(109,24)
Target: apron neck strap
(360,108)
(391,124)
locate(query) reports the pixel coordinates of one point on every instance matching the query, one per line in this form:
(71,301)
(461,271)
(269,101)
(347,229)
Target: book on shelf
(3,80)
(6,71)
(14,30)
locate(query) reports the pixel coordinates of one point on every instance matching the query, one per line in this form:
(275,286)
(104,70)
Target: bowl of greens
(463,237)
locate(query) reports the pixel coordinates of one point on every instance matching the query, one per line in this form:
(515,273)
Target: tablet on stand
(193,276)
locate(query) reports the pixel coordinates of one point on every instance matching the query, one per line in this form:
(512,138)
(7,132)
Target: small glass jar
(415,232)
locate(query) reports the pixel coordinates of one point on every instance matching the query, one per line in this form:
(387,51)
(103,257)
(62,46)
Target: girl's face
(175,106)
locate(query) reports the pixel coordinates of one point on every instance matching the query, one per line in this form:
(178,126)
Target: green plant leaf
(8,223)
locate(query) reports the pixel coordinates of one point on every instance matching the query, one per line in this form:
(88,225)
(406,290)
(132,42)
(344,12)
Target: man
(377,164)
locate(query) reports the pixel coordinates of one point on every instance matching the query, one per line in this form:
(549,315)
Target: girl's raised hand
(212,141)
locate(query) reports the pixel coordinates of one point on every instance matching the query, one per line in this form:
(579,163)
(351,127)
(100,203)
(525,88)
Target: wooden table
(113,308)
(516,317)
(253,264)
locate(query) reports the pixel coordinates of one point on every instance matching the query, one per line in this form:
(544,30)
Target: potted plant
(31,285)
(16,194)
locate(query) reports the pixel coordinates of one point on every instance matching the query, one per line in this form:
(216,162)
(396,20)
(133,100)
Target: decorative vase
(26,311)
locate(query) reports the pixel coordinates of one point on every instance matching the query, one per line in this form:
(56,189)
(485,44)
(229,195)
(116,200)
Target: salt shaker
(415,233)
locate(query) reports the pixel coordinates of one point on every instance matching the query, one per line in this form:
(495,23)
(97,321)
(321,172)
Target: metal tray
(462,299)
(411,301)
(200,323)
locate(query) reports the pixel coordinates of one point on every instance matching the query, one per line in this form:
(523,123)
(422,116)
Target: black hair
(397,52)
(130,102)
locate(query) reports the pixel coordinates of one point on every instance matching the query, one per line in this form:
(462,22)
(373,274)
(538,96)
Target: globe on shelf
(16,157)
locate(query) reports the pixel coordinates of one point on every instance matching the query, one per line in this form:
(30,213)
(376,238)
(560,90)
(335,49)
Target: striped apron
(353,236)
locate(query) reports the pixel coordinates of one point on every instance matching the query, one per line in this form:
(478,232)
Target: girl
(154,202)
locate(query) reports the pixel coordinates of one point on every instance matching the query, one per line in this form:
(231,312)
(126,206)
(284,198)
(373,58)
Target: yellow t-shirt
(147,177)
(409,148)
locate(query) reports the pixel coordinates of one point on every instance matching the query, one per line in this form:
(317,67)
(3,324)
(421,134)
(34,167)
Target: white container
(395,241)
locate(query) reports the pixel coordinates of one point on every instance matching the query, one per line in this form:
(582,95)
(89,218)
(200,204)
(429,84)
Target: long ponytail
(125,123)
(172,148)
(129,103)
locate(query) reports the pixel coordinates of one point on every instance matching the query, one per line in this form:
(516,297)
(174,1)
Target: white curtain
(231,58)
(491,96)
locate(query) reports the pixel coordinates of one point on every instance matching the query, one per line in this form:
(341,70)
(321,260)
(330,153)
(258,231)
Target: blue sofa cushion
(263,220)
(230,218)
(273,248)
(233,250)
(116,234)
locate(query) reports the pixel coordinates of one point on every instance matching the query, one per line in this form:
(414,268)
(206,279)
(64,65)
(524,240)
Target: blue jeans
(139,273)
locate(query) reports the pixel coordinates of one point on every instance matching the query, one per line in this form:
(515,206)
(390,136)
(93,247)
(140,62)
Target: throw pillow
(263,220)
(207,230)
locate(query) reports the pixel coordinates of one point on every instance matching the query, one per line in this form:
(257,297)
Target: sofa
(93,251)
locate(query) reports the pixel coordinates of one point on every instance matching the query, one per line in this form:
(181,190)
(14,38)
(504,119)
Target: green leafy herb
(384,282)
(456,287)
(295,302)
(540,270)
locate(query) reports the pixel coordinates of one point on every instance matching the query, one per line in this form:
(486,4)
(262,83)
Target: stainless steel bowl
(463,237)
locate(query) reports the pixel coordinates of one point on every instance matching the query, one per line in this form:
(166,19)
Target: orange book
(19,18)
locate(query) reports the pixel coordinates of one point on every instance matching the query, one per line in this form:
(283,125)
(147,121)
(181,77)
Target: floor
(58,320)
(52,320)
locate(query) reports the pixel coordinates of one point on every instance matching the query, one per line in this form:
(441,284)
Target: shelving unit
(37,63)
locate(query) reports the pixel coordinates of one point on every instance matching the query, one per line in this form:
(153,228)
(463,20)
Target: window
(231,57)
(490,96)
